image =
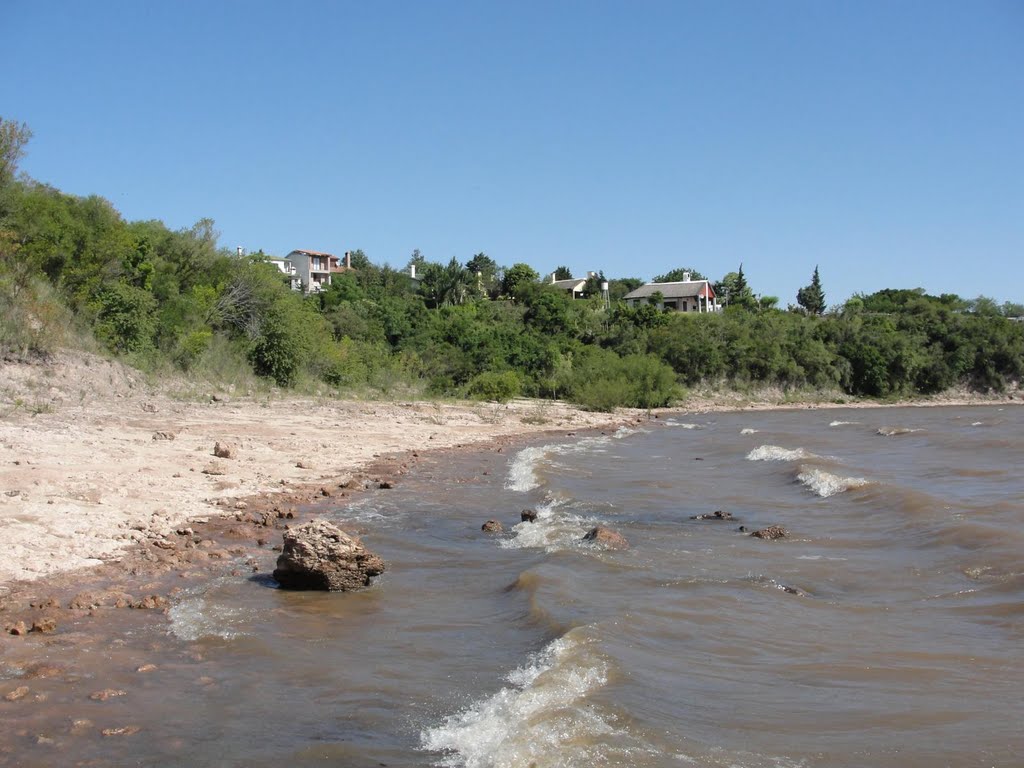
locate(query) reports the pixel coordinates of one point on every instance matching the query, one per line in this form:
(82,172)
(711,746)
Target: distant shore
(94,462)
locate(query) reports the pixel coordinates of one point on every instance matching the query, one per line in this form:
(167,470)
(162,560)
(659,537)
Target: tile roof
(680,290)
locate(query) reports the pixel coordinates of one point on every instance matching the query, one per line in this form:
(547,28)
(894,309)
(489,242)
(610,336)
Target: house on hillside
(682,296)
(574,286)
(288,270)
(314,268)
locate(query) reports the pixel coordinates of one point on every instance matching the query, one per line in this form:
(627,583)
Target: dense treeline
(73,272)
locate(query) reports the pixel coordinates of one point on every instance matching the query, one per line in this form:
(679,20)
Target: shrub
(494,386)
(604,381)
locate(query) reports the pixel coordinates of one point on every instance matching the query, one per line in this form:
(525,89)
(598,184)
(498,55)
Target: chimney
(591,274)
(686,277)
(553,277)
(412,271)
(241,251)
(348,259)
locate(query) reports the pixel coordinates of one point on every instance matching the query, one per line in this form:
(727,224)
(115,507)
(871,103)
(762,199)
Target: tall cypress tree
(812,297)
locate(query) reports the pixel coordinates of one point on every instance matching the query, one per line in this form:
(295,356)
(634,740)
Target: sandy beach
(92,460)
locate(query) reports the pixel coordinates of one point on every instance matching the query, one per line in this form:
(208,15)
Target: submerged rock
(319,555)
(528,515)
(716,515)
(492,526)
(606,537)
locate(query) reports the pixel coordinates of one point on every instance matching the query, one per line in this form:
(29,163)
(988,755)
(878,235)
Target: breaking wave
(540,717)
(682,424)
(843,423)
(522,472)
(749,431)
(826,484)
(775,453)
(556,529)
(896,431)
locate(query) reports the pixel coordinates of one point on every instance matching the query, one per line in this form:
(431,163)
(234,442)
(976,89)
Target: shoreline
(121,487)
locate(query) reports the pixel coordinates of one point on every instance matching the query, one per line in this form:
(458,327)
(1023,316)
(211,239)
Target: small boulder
(771,532)
(606,537)
(214,468)
(492,526)
(319,555)
(528,515)
(44,626)
(225,450)
(17,628)
(163,435)
(18,693)
(150,603)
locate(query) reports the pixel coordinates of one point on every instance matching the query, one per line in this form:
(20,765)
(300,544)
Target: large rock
(771,532)
(606,537)
(318,555)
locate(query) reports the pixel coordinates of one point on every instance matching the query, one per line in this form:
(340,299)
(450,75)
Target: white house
(573,285)
(682,296)
(288,270)
(314,268)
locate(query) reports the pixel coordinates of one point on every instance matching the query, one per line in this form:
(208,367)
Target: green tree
(733,290)
(563,273)
(812,297)
(483,274)
(517,280)
(13,138)
(679,275)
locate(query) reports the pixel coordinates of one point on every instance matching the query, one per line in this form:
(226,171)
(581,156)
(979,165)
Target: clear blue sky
(883,141)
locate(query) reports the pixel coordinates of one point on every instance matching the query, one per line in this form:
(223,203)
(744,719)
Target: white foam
(196,616)
(749,431)
(826,484)
(775,453)
(682,424)
(843,423)
(522,472)
(538,718)
(555,530)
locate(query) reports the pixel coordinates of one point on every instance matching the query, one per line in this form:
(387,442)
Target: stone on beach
(607,538)
(225,450)
(319,555)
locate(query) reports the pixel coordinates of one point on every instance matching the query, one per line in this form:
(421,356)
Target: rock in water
(771,532)
(318,555)
(528,515)
(606,537)
(492,526)
(716,515)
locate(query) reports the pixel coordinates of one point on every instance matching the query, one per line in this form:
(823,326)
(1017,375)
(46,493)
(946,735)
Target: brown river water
(885,630)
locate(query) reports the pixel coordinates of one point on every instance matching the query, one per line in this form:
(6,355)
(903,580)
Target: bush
(604,381)
(494,386)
